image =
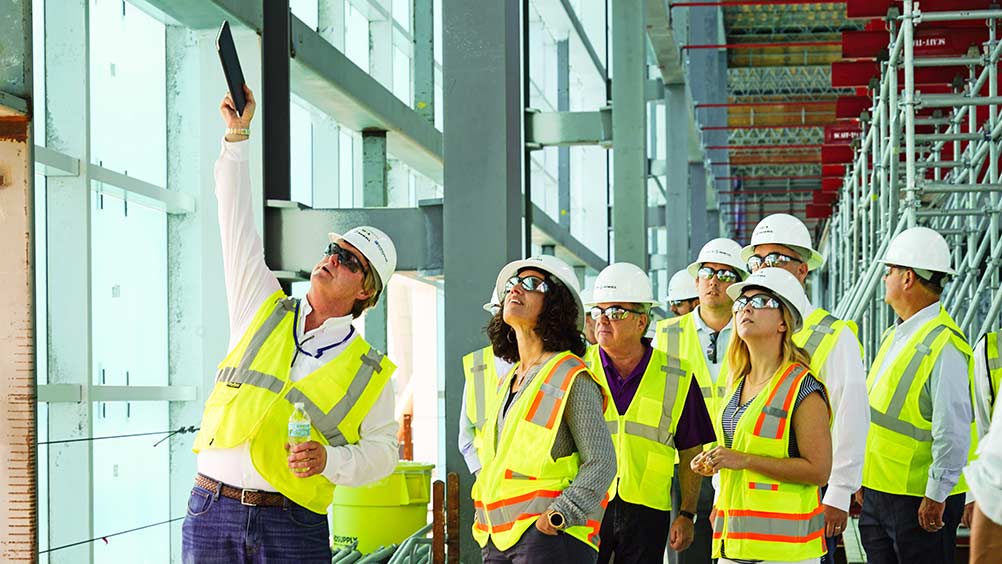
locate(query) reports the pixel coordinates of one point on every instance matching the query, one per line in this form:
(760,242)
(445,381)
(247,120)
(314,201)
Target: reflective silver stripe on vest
(613,426)
(479,393)
(505,515)
(706,391)
(551,392)
(673,376)
(819,331)
(995,362)
(771,526)
(774,415)
(242,374)
(371,364)
(282,307)
(891,419)
(229,374)
(763,486)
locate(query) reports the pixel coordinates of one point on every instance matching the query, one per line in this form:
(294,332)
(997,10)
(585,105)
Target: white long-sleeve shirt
(845,377)
(982,388)
(945,400)
(468,428)
(249,282)
(984,474)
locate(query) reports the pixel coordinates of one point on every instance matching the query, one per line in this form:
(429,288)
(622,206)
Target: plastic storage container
(384,512)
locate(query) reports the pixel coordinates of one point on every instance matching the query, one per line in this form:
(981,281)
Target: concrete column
(424,58)
(374,195)
(483,204)
(629,65)
(677,189)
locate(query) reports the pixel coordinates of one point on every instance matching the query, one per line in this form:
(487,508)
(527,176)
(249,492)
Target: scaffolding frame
(948,180)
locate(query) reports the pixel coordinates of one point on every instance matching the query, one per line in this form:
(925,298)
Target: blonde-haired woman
(773,431)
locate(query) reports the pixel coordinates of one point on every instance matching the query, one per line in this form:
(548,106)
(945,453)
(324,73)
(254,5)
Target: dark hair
(934,284)
(557,325)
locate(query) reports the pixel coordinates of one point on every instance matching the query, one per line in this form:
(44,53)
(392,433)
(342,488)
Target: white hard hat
(622,282)
(375,246)
(493,303)
(682,286)
(788,231)
(921,248)
(723,251)
(781,284)
(585,294)
(551,265)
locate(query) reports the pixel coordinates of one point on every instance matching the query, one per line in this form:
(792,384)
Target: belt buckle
(243,493)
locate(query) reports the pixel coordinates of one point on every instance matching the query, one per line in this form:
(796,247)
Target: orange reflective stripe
(776,538)
(550,396)
(771,422)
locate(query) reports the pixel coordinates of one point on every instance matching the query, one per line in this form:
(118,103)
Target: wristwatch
(689,514)
(557,520)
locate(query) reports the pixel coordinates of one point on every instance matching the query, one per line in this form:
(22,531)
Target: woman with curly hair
(547,456)
(773,432)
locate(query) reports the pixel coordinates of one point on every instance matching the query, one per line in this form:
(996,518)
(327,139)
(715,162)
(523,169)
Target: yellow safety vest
(899,442)
(758,517)
(253,398)
(481,388)
(993,350)
(644,436)
(818,337)
(520,479)
(678,338)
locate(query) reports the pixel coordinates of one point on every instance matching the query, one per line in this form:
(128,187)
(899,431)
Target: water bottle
(299,425)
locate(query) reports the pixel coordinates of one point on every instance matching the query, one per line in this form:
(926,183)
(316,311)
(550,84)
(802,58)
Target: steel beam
(325,78)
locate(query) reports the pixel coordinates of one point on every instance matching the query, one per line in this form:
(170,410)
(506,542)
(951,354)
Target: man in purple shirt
(656,412)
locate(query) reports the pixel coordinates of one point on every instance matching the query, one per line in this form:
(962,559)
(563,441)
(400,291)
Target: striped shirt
(733,411)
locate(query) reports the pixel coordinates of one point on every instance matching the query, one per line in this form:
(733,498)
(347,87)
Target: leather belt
(253,498)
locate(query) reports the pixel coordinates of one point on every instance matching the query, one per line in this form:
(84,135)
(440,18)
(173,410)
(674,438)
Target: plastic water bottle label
(299,430)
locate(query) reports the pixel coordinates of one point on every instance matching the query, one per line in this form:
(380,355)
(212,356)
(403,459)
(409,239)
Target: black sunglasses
(345,257)
(758,301)
(613,313)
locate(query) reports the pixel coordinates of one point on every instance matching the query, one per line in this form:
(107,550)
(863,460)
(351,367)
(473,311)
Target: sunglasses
(677,303)
(345,257)
(528,283)
(724,275)
(756,262)
(758,301)
(612,313)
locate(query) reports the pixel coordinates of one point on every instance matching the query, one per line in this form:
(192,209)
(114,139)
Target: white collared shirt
(945,399)
(845,377)
(249,282)
(704,332)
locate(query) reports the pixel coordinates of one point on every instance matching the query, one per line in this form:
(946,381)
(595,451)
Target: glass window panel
(589,197)
(346,169)
(402,13)
(402,76)
(301,153)
(357,37)
(307,11)
(128,95)
(128,293)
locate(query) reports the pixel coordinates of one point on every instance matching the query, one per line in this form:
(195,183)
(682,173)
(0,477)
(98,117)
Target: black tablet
(231,66)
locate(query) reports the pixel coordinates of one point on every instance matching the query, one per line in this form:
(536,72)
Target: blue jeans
(222,530)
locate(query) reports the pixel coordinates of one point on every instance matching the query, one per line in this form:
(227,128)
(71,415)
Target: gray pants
(700,550)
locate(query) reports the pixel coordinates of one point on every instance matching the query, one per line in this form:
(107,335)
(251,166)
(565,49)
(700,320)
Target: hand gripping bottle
(299,425)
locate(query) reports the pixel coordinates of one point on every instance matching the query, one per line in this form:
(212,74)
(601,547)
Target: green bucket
(384,512)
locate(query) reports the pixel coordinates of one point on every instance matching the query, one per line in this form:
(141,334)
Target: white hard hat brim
(948,272)
(734,291)
(813,258)
(651,303)
(512,268)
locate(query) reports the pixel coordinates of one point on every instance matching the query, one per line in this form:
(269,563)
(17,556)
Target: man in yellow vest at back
(656,411)
(921,422)
(783,241)
(700,339)
(256,496)
(482,371)
(987,379)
